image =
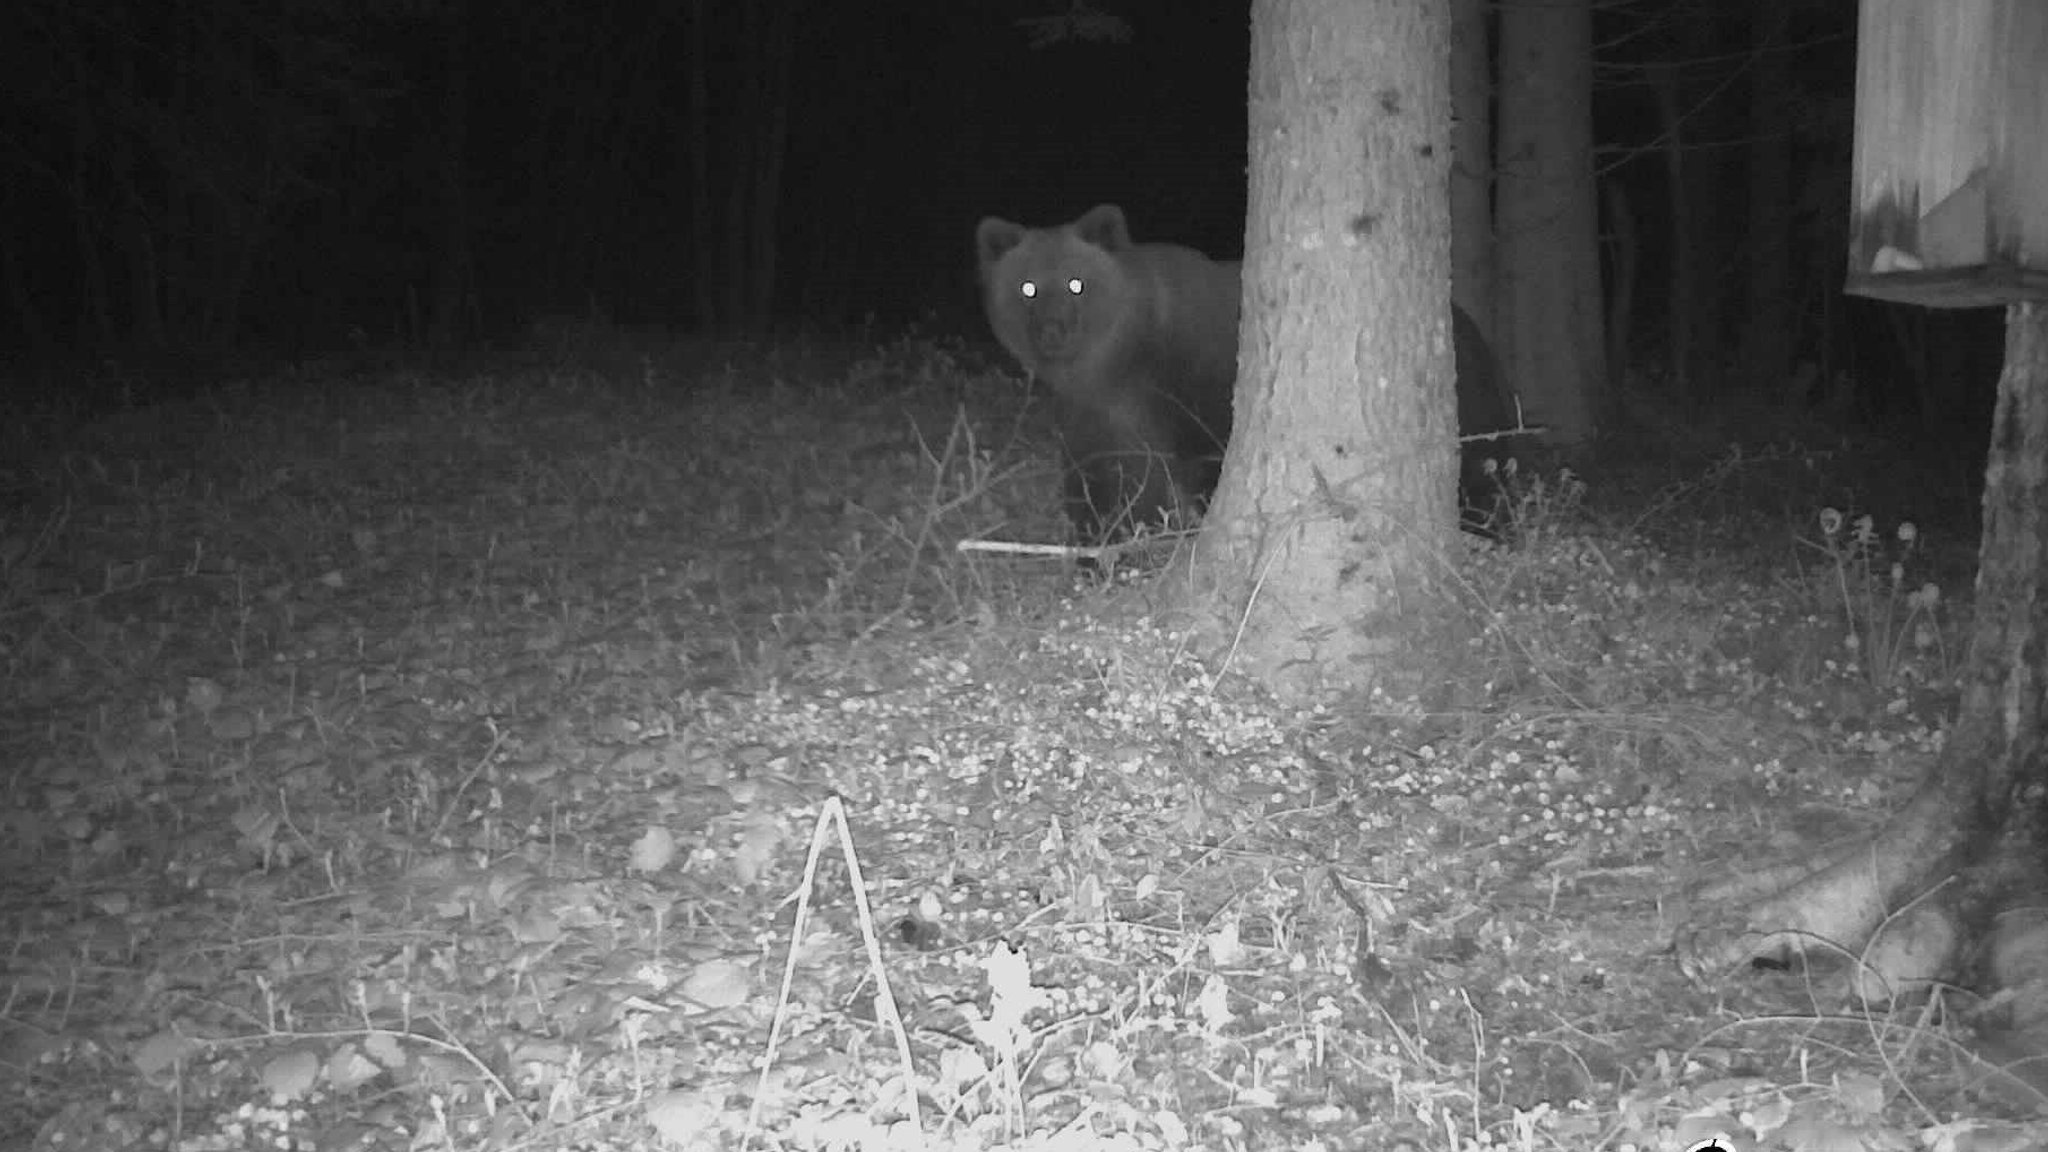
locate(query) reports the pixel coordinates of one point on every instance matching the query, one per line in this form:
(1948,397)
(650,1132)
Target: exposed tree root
(1966,849)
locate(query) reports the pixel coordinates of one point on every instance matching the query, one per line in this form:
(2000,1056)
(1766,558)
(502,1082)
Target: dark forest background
(287,178)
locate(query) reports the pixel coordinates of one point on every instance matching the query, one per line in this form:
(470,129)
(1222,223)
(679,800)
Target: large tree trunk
(1337,492)
(1550,314)
(1966,807)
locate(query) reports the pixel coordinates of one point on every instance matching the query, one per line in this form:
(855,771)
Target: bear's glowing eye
(1076,286)
(1028,289)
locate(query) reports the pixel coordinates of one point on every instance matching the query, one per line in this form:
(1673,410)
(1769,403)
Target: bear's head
(1056,295)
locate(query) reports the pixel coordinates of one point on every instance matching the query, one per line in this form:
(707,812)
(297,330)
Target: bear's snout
(1055,331)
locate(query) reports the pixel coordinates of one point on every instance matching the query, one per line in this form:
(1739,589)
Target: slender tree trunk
(743,150)
(778,47)
(1623,266)
(1548,217)
(171,204)
(738,143)
(88,224)
(237,252)
(452,252)
(1472,284)
(148,293)
(1694,102)
(95,304)
(29,327)
(580,136)
(1337,491)
(1680,313)
(1767,337)
(704,260)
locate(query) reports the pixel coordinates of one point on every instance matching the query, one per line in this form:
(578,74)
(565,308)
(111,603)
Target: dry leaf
(653,851)
(163,1051)
(757,847)
(384,1048)
(715,984)
(349,1069)
(685,1119)
(203,695)
(1226,950)
(290,1076)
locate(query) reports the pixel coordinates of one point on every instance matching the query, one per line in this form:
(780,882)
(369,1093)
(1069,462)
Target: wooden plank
(1949,199)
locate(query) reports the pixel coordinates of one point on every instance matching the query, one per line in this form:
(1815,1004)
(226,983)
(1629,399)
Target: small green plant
(1889,623)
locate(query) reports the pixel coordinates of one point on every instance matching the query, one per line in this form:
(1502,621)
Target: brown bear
(1139,345)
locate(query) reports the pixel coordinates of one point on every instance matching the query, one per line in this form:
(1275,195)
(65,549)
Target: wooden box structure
(1951,166)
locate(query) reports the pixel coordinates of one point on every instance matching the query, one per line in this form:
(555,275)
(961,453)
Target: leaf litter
(422,765)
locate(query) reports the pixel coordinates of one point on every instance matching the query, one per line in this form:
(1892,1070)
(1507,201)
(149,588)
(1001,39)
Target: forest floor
(479,761)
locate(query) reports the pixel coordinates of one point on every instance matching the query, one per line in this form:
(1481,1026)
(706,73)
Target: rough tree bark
(1966,820)
(1337,495)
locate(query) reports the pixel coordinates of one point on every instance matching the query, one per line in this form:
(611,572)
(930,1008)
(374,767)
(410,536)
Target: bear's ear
(994,238)
(1104,227)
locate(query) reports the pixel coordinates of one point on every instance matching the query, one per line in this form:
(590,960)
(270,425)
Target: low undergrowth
(482,762)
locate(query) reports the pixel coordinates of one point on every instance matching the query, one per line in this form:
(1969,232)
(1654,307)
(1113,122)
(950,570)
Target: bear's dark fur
(1484,405)
(1139,345)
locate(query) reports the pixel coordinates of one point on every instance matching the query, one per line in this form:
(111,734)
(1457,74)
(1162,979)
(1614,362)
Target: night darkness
(483,486)
(293,178)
